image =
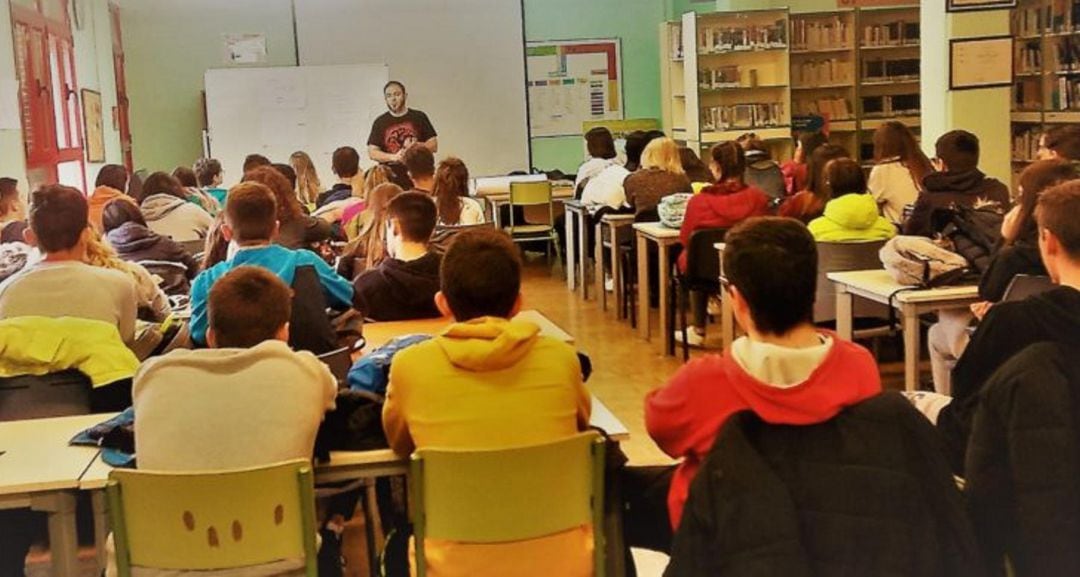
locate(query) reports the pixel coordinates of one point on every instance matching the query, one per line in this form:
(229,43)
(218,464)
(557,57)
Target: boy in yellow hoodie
(488,382)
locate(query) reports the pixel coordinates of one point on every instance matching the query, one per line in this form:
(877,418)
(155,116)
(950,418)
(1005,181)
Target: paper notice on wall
(245,48)
(9,106)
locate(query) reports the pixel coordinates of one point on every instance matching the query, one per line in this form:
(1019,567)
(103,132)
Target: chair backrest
(702,258)
(58,394)
(443,235)
(530,193)
(498,496)
(339,362)
(309,325)
(1023,286)
(213,520)
(841,257)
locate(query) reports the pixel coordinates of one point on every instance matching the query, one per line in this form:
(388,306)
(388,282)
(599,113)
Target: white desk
(40,471)
(611,222)
(878,286)
(664,238)
(577,251)
(497,199)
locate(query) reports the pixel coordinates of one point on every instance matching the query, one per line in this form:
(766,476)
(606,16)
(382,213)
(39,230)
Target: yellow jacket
(851,218)
(489,384)
(39,345)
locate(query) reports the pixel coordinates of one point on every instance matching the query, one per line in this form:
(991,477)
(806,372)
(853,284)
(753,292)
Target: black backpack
(975,233)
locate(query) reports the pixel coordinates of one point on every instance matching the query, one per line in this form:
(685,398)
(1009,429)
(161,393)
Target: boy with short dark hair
(420,162)
(250,224)
(254,160)
(786,370)
(1061,141)
(346,165)
(209,175)
(403,286)
(489,382)
(62,284)
(958,181)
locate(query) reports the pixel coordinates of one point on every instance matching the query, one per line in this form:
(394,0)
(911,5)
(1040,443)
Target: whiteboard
(572,82)
(278,111)
(462,62)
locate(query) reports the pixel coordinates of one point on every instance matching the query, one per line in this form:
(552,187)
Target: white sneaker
(609,283)
(693,338)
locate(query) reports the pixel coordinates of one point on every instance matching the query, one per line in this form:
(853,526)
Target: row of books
(1025,144)
(891,105)
(820,34)
(1055,16)
(740,116)
(822,72)
(1065,94)
(885,69)
(833,108)
(720,39)
(1065,55)
(895,33)
(1027,94)
(1029,57)
(720,77)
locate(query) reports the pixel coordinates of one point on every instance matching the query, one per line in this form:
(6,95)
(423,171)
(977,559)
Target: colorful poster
(571,82)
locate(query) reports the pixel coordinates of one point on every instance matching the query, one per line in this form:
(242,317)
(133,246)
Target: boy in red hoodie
(786,370)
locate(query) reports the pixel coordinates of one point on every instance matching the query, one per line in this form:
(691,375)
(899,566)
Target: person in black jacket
(403,286)
(1023,464)
(1008,328)
(868,492)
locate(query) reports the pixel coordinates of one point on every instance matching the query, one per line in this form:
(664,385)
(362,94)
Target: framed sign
(95,126)
(976,5)
(985,62)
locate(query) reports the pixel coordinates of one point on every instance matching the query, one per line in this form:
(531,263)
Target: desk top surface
(881,283)
(656,230)
(35,455)
(557,193)
(378,334)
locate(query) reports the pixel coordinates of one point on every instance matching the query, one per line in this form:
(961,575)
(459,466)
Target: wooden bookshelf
(888,72)
(736,77)
(673,91)
(823,72)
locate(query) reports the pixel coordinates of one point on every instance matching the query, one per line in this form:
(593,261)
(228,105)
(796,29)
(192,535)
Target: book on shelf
(1060,17)
(1065,54)
(1027,94)
(716,39)
(1025,144)
(1065,94)
(740,116)
(718,78)
(820,34)
(1030,21)
(891,105)
(1029,57)
(890,69)
(894,33)
(829,71)
(834,108)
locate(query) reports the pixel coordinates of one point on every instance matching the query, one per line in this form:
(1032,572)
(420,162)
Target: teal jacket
(277,259)
(851,218)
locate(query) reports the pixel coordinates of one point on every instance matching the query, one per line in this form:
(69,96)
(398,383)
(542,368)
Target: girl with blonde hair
(368,249)
(308,186)
(153,304)
(661,174)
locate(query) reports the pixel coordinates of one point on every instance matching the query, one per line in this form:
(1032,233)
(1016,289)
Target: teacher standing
(399,128)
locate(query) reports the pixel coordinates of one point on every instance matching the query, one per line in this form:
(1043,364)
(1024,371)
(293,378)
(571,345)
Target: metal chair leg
(684,294)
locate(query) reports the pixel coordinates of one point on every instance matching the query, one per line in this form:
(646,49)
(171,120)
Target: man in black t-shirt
(400,128)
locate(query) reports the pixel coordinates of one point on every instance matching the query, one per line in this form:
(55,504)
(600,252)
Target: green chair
(505,495)
(213,520)
(526,194)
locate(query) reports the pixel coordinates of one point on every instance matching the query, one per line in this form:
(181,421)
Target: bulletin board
(571,82)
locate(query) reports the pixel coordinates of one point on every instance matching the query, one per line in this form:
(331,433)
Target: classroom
(623,288)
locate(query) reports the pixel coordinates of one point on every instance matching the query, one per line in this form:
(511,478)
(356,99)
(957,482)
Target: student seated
(250,224)
(451,190)
(248,401)
(12,211)
(797,170)
(852,214)
(296,230)
(761,170)
(208,174)
(403,286)
(110,185)
(899,169)
(166,209)
(127,233)
(601,148)
(62,284)
(1062,142)
(809,203)
(346,165)
(695,169)
(786,370)
(420,162)
(488,382)
(308,185)
(605,190)
(368,249)
(253,161)
(1008,328)
(195,195)
(661,175)
(958,181)
(720,205)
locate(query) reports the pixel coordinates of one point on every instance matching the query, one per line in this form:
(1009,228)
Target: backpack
(974,233)
(917,261)
(371,372)
(672,209)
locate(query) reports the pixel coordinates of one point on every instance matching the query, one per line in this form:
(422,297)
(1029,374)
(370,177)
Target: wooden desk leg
(495,214)
(665,282)
(598,266)
(616,270)
(101,528)
(63,541)
(571,251)
(912,347)
(583,251)
(643,286)
(845,308)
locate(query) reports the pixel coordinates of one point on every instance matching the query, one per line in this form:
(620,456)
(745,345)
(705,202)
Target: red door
(121,87)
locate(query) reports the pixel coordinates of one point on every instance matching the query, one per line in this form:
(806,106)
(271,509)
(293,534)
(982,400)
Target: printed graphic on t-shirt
(398,135)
